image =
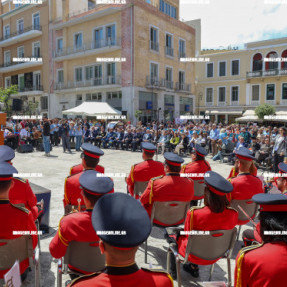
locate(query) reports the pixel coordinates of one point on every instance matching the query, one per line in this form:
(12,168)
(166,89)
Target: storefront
(168,107)
(148,106)
(185,105)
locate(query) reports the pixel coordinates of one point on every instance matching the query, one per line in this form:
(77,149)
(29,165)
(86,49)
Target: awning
(280,116)
(249,116)
(224,112)
(93,109)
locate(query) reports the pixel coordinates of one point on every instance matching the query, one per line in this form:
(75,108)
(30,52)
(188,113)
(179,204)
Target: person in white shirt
(25,134)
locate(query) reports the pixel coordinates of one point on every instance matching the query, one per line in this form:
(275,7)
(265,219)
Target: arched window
(284,63)
(271,65)
(257,62)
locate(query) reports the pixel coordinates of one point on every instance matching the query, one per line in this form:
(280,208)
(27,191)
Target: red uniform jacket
(79,168)
(261,265)
(21,192)
(14,218)
(72,190)
(144,171)
(171,187)
(112,277)
(199,166)
(73,227)
(203,219)
(234,173)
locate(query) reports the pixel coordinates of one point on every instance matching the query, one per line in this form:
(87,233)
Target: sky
(235,22)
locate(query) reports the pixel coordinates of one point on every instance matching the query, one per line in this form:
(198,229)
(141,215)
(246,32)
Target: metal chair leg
(59,273)
(238,232)
(168,261)
(145,255)
(229,272)
(211,271)
(177,260)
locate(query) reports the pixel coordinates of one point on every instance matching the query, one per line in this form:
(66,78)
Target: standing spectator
(52,130)
(214,134)
(66,136)
(78,134)
(279,149)
(56,132)
(72,132)
(46,136)
(86,134)
(246,135)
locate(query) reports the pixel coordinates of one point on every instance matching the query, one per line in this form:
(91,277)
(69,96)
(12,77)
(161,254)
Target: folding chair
(69,208)
(140,187)
(84,256)
(20,249)
(248,206)
(169,213)
(217,244)
(199,187)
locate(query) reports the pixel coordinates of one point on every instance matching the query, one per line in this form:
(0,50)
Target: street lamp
(199,99)
(159,109)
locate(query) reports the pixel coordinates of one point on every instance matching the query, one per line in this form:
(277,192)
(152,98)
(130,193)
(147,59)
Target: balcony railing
(109,42)
(152,82)
(11,63)
(270,102)
(209,104)
(183,87)
(254,103)
(234,103)
(168,84)
(221,104)
(20,32)
(169,51)
(154,46)
(181,54)
(110,80)
(267,73)
(30,89)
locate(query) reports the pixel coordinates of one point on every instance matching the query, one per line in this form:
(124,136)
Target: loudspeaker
(17,105)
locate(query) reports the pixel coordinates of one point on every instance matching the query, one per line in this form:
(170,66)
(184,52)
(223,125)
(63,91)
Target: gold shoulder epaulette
(196,207)
(21,179)
(159,271)
(21,208)
(85,277)
(155,178)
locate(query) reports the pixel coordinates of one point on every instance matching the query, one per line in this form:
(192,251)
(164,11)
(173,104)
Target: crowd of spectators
(267,143)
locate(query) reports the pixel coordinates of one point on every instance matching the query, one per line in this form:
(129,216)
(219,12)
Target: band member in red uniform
(235,170)
(80,167)
(198,165)
(215,215)
(90,160)
(250,235)
(171,187)
(13,218)
(77,226)
(265,264)
(245,185)
(130,218)
(20,191)
(145,170)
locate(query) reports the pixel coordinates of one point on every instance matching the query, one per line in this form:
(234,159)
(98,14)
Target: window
(284,91)
(111,35)
(78,44)
(181,77)
(181,49)
(44,103)
(7,57)
(234,94)
(235,67)
(270,92)
(20,26)
(221,95)
(20,52)
(7,31)
(98,75)
(210,70)
(79,99)
(167,9)
(271,65)
(79,74)
(222,69)
(111,73)
(99,38)
(257,62)
(59,44)
(153,39)
(168,45)
(36,21)
(154,72)
(36,50)
(161,6)
(37,81)
(255,93)
(60,76)
(89,73)
(97,97)
(168,78)
(88,97)
(209,95)
(7,82)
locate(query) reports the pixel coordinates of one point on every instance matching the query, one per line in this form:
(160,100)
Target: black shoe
(192,269)
(173,274)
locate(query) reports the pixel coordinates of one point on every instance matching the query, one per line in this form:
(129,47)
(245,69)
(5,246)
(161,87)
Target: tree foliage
(5,97)
(264,110)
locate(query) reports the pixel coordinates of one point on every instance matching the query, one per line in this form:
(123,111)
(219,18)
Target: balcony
(221,104)
(255,103)
(21,35)
(268,73)
(181,54)
(270,102)
(169,51)
(15,66)
(182,87)
(154,46)
(234,103)
(88,49)
(100,83)
(153,83)
(169,85)
(209,104)
(29,91)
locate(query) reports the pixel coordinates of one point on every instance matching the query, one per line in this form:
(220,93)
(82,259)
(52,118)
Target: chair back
(199,187)
(249,206)
(169,212)
(140,187)
(69,208)
(85,256)
(11,250)
(212,246)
